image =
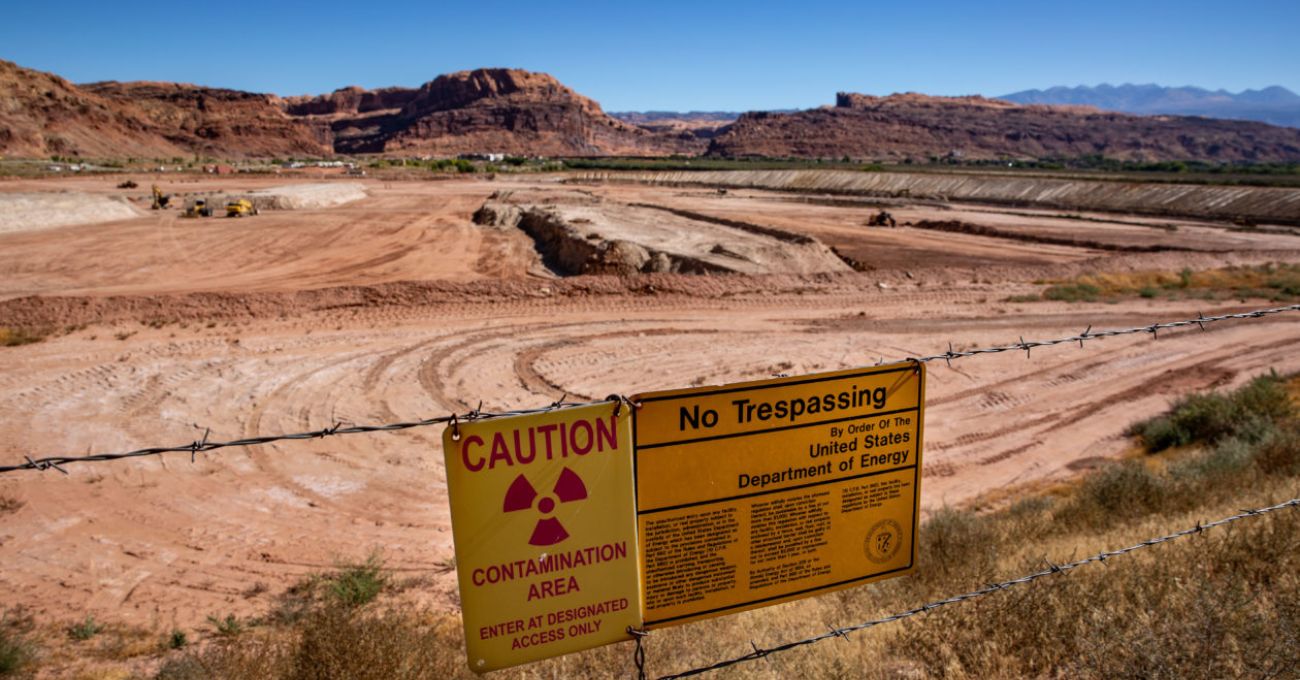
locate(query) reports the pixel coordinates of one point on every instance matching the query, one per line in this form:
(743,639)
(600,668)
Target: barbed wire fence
(1051,570)
(204,445)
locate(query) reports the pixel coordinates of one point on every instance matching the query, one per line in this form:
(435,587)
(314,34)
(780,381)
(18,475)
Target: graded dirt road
(163,328)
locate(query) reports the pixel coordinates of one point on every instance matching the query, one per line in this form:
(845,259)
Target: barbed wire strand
(1089,334)
(1053,569)
(204,445)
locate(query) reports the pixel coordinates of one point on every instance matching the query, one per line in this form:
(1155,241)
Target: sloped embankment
(959,227)
(1278,205)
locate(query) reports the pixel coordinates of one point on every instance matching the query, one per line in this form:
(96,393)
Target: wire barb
(638,656)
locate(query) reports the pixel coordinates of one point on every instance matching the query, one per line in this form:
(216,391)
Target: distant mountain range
(1275,105)
(644,117)
(522,113)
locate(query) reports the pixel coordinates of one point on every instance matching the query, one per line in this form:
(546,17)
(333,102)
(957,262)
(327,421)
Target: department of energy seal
(883,541)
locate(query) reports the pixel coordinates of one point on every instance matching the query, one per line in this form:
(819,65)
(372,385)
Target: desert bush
(1074,292)
(227,627)
(956,541)
(358,584)
(1210,418)
(17,652)
(350,585)
(13,337)
(1278,452)
(1193,610)
(84,630)
(1117,492)
(335,642)
(1277,282)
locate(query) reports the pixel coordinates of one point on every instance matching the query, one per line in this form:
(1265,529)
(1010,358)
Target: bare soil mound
(583,234)
(308,196)
(33,211)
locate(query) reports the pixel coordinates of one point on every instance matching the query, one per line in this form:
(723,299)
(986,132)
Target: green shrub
(1118,491)
(1210,418)
(1075,292)
(1278,453)
(358,584)
(953,541)
(335,643)
(85,630)
(15,652)
(227,627)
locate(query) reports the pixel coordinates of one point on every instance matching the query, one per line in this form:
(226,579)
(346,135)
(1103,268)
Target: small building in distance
(489,157)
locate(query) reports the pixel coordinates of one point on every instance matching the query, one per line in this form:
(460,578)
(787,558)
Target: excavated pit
(578,234)
(1264,205)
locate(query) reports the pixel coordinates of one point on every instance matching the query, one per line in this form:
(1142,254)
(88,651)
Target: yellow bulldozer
(240,207)
(199,208)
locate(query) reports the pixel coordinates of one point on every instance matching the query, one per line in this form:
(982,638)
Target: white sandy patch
(329,487)
(34,211)
(309,196)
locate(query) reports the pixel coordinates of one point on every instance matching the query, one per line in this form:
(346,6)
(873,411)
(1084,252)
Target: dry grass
(1275,282)
(17,651)
(338,641)
(13,337)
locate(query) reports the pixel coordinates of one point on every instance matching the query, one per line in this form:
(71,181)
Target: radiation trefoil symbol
(521,496)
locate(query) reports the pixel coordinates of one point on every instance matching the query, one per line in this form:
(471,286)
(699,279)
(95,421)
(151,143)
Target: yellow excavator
(160,200)
(240,207)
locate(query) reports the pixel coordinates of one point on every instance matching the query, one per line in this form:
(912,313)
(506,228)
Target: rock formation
(517,112)
(214,122)
(912,126)
(487,111)
(42,115)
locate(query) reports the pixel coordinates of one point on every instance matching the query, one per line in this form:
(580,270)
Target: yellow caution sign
(543,519)
(764,492)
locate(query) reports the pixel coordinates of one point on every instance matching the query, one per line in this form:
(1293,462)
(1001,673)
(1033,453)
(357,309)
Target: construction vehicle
(240,207)
(199,208)
(882,219)
(160,200)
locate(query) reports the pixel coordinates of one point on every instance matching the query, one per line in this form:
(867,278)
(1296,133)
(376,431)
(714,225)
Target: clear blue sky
(667,54)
